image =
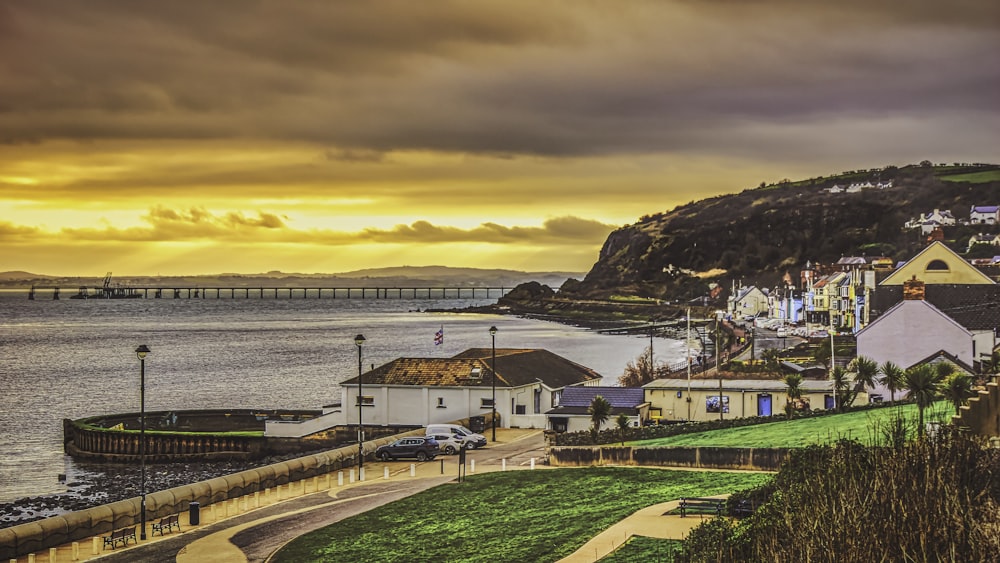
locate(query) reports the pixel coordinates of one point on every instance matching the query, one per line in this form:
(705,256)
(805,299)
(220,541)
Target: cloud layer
(462,120)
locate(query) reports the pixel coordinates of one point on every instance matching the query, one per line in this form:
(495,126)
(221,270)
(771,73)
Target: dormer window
(477,373)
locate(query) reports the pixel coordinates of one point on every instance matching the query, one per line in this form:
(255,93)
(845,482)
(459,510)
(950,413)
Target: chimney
(913,290)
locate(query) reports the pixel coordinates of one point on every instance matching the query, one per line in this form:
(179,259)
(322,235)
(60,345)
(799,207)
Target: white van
(468,437)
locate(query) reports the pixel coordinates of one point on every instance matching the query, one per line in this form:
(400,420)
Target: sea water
(76,358)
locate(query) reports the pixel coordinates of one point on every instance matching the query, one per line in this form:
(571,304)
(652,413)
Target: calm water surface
(75,358)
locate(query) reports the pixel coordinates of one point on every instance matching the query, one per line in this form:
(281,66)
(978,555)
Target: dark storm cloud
(501,78)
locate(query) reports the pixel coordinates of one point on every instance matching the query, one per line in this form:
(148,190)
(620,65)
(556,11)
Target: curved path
(652,521)
(255,534)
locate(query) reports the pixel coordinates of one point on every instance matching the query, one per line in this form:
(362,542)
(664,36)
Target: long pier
(260,292)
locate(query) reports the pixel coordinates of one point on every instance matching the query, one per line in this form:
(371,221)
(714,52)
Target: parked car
(449,443)
(422,448)
(470,438)
(782,332)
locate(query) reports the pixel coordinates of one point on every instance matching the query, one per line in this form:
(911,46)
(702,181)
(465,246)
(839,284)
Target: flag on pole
(439,337)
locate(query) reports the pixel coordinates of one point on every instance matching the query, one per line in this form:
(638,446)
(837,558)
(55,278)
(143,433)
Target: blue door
(763,405)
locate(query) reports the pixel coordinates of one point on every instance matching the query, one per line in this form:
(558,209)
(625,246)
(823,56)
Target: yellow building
(937,264)
(671,400)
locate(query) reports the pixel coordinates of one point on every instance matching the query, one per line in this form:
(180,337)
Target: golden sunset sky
(244,136)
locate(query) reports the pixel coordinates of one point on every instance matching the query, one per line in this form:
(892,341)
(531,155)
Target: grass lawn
(862,426)
(541,515)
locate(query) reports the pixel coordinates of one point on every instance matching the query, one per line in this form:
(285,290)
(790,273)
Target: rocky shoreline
(103,484)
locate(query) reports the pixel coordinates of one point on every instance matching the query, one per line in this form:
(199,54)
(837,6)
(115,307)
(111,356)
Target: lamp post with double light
(493,379)
(141,353)
(358,341)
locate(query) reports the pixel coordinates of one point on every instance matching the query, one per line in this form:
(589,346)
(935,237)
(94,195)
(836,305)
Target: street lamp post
(141,353)
(493,380)
(358,341)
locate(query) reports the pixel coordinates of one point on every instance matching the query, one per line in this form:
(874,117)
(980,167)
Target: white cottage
(422,391)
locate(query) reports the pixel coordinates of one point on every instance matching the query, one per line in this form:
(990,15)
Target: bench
(702,504)
(167,524)
(120,536)
(744,508)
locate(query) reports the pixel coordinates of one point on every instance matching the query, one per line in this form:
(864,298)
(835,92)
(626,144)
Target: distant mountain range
(401,276)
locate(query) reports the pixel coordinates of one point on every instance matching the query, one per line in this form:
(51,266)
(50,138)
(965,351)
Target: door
(764,404)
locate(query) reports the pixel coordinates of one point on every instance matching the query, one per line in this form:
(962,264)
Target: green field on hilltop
(864,426)
(973,177)
(541,515)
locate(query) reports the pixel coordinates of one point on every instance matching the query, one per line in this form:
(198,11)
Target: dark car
(420,447)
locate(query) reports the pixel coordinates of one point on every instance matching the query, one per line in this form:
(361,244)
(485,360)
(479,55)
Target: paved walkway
(652,521)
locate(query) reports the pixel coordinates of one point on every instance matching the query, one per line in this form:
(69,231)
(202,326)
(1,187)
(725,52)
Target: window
(712,403)
(937,265)
(367,401)
(441,404)
(520,409)
(486,403)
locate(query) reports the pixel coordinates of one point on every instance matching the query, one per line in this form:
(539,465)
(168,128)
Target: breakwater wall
(198,435)
(759,459)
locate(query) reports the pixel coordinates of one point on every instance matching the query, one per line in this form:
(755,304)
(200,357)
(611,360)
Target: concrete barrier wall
(762,459)
(982,414)
(40,535)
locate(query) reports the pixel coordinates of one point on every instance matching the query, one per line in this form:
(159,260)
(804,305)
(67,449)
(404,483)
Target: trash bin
(194,513)
(477,424)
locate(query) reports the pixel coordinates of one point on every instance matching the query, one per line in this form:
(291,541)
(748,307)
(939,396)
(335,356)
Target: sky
(168,138)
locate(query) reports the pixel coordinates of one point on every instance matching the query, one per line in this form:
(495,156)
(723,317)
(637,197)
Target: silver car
(450,444)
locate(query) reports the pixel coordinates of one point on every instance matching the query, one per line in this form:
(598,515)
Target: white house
(572,414)
(984,214)
(914,330)
(422,391)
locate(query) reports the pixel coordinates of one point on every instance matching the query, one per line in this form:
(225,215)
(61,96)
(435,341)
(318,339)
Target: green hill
(764,232)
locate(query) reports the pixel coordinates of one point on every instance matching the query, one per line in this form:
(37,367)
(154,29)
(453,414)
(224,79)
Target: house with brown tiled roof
(422,391)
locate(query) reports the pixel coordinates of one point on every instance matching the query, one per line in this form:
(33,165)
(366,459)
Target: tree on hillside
(794,383)
(599,411)
(892,378)
(623,425)
(922,384)
(957,388)
(865,373)
(642,371)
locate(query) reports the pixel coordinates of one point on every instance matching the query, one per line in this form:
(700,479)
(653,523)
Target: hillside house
(984,214)
(422,391)
(993,240)
(572,414)
(930,221)
(748,302)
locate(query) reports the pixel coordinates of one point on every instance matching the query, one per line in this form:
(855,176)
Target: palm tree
(623,425)
(892,378)
(794,383)
(865,373)
(840,388)
(957,388)
(922,384)
(599,411)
